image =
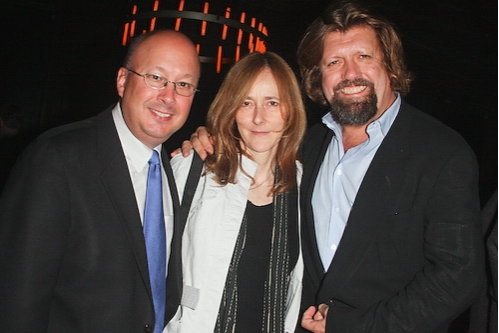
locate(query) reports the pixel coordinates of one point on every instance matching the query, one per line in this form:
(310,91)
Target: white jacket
(208,243)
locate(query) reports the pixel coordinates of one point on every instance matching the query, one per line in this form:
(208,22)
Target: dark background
(59,61)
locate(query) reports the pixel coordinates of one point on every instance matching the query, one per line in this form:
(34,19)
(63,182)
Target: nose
(167,94)
(351,69)
(258,115)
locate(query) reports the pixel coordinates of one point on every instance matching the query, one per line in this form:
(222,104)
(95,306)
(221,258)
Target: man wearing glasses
(80,249)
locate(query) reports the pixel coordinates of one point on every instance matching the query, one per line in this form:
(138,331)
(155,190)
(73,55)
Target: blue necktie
(155,236)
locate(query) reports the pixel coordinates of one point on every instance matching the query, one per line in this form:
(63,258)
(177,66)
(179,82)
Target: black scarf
(284,228)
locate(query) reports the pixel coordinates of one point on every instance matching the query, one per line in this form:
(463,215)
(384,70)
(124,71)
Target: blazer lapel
(371,205)
(314,151)
(116,179)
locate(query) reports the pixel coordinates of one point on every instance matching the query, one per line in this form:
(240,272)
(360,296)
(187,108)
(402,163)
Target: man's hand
(201,141)
(315,321)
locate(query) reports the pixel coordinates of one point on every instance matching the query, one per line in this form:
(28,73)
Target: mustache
(355,82)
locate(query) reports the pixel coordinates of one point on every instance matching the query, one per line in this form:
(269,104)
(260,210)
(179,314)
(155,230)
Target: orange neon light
(153,20)
(239,37)
(254,42)
(219,59)
(260,46)
(179,20)
(225,28)
(240,33)
(203,24)
(132,29)
(125,34)
(224,32)
(203,28)
(238,53)
(250,43)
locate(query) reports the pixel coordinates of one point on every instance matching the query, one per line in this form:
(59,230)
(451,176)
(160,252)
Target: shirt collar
(385,121)
(135,151)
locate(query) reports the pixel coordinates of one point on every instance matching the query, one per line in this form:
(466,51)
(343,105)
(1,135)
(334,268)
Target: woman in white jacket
(241,255)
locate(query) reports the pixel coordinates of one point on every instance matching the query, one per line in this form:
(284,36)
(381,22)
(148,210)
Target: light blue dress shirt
(339,179)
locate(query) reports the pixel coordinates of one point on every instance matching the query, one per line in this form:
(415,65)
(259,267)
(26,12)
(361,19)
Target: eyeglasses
(157,82)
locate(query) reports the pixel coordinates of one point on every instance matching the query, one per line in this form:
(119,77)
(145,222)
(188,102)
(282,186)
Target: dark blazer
(73,255)
(410,258)
(483,314)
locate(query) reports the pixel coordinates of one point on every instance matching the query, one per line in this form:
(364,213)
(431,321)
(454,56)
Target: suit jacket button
(147,328)
(331,302)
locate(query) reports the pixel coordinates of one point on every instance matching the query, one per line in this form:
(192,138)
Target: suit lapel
(314,150)
(116,179)
(371,205)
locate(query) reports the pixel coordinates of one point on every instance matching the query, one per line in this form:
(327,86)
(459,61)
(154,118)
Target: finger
(176,152)
(318,316)
(186,148)
(213,140)
(202,141)
(201,130)
(309,313)
(323,308)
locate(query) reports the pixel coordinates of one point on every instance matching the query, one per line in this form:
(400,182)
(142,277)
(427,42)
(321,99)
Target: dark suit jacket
(73,255)
(483,314)
(410,258)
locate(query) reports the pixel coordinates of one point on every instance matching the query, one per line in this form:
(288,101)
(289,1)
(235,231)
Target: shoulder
(180,167)
(179,162)
(316,139)
(74,143)
(67,138)
(316,133)
(80,134)
(426,131)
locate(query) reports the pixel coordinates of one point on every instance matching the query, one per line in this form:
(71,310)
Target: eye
(183,84)
(155,77)
(246,103)
(273,103)
(365,56)
(334,62)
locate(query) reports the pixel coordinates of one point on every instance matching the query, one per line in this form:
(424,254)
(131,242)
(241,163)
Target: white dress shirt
(137,157)
(339,179)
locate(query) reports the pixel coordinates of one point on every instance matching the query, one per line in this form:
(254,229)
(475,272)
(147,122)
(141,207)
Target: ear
(121,81)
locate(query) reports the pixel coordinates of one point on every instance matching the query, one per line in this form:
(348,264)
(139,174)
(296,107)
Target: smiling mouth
(161,114)
(353,90)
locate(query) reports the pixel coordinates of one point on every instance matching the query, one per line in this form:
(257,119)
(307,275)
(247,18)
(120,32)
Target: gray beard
(346,112)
